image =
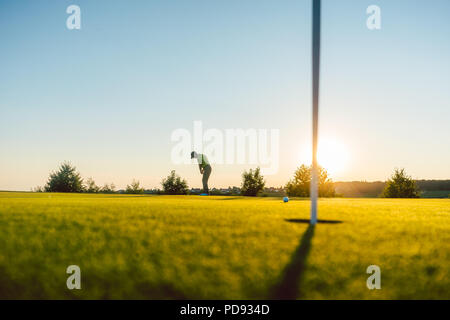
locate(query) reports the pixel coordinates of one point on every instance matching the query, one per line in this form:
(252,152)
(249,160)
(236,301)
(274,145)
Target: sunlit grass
(219,247)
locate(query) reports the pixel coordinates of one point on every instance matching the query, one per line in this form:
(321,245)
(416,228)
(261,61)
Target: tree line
(399,185)
(68,179)
(364,189)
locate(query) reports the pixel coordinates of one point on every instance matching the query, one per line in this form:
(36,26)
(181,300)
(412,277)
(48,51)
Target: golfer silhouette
(205,169)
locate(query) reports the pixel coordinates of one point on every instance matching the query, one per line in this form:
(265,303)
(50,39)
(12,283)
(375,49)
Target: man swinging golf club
(205,169)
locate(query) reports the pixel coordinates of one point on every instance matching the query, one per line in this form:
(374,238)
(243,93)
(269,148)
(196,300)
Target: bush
(252,183)
(66,179)
(299,186)
(173,184)
(400,185)
(134,188)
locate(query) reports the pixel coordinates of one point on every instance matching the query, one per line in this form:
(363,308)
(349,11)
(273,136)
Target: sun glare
(331,154)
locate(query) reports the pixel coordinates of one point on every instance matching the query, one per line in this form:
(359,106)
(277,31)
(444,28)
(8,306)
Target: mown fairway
(221,247)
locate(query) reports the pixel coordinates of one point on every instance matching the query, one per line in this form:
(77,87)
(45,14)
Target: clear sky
(108,97)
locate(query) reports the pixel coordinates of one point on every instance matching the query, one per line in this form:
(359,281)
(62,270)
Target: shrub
(134,188)
(173,184)
(299,186)
(66,179)
(252,182)
(400,185)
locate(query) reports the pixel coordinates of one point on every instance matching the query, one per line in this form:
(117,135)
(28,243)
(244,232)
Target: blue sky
(107,97)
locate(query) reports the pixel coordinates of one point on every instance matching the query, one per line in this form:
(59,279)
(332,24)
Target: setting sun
(331,154)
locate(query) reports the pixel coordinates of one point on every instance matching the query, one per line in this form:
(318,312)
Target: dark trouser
(206,174)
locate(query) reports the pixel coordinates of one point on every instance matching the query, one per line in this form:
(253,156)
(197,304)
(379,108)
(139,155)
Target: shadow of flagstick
(288,288)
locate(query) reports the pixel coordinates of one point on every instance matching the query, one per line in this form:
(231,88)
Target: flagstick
(315,71)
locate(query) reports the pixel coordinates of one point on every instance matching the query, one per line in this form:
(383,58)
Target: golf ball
(285,199)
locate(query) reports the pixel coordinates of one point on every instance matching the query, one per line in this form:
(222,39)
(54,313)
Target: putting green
(152,247)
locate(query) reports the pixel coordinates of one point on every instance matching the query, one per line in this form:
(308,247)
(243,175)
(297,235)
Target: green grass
(153,247)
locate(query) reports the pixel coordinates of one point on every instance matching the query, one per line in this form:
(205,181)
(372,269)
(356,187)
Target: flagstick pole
(315,101)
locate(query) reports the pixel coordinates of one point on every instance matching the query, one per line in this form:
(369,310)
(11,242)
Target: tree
(108,188)
(134,188)
(252,182)
(299,186)
(326,185)
(400,185)
(38,189)
(173,184)
(91,187)
(66,179)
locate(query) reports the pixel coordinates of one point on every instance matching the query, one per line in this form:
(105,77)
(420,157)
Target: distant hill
(363,189)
